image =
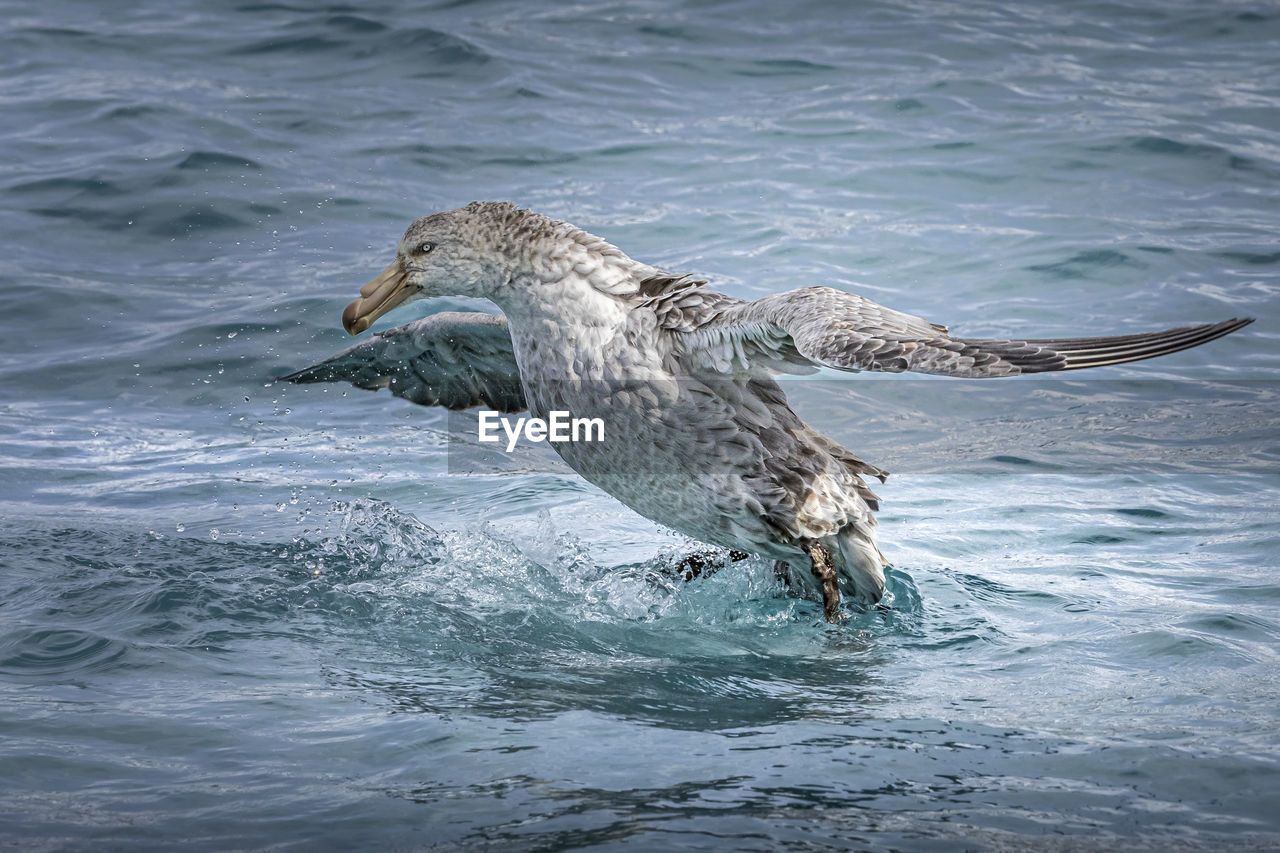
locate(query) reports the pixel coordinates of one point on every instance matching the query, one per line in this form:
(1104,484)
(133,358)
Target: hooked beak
(389,289)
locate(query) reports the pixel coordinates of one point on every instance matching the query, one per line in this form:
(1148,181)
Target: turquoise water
(240,615)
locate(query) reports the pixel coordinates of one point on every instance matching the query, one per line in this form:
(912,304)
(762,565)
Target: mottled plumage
(699,436)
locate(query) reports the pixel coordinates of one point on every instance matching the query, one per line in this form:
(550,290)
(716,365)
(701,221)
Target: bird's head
(444,254)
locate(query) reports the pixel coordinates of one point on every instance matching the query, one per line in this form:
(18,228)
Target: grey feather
(451,359)
(832,328)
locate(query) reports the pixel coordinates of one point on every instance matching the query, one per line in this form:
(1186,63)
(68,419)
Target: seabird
(699,434)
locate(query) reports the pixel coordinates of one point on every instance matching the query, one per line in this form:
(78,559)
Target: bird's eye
(426,247)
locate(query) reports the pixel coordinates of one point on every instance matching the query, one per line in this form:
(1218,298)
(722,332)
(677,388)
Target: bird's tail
(858,561)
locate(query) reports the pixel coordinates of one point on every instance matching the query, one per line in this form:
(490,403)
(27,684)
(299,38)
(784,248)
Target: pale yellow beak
(389,289)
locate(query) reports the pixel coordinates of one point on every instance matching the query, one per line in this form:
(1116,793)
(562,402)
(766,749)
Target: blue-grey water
(244,615)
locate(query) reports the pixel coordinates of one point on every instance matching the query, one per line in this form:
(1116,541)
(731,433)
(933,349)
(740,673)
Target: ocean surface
(239,614)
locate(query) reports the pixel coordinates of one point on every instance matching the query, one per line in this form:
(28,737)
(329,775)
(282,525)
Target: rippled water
(240,615)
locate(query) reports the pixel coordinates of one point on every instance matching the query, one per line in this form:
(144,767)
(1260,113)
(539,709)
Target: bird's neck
(571,300)
(577,282)
(570,330)
(563,328)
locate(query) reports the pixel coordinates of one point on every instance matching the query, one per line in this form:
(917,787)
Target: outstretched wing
(450,359)
(832,328)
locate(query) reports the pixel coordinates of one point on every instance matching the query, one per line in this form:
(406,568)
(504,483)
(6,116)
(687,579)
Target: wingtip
(1140,347)
(297,377)
(1226,327)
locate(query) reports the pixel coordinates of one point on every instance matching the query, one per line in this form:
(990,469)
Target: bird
(700,436)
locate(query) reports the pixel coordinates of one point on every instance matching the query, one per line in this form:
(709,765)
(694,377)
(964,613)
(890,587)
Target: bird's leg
(824,570)
(782,571)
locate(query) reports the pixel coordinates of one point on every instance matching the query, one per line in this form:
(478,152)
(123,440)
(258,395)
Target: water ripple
(56,652)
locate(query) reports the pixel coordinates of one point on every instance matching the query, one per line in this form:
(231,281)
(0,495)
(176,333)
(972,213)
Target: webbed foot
(703,563)
(824,570)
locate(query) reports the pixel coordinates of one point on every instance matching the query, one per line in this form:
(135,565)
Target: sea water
(236,614)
